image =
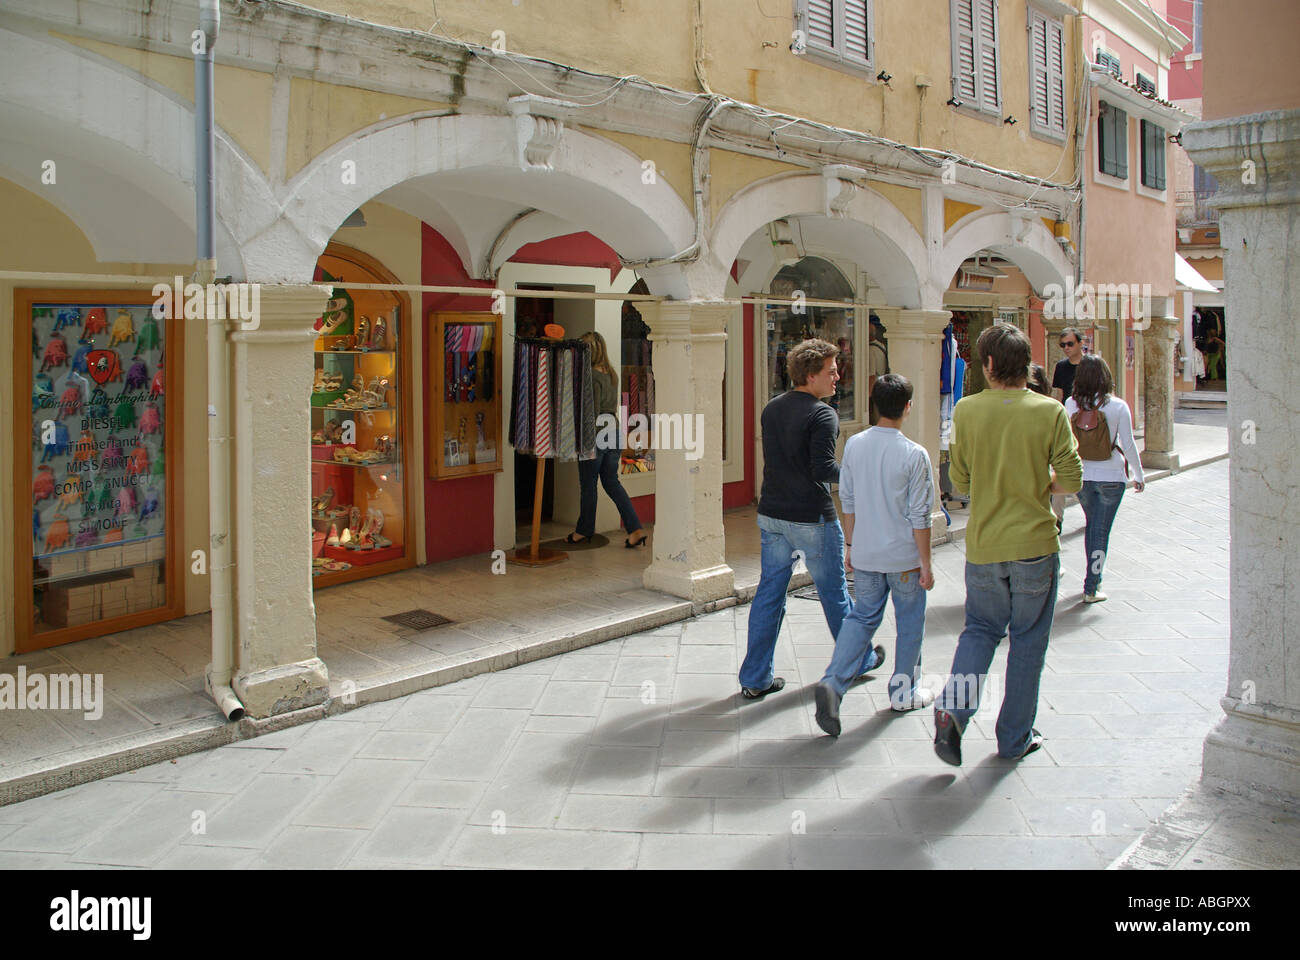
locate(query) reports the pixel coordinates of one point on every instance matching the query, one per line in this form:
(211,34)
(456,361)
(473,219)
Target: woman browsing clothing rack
(605,464)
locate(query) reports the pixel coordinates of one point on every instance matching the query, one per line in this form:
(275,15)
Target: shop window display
(465,390)
(359,516)
(96,463)
(789,325)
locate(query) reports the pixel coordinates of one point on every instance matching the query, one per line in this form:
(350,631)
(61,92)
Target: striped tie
(564,409)
(523,423)
(542,433)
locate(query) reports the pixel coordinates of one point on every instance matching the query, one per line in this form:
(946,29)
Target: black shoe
(1035,741)
(880,662)
(828,708)
(753,693)
(947,738)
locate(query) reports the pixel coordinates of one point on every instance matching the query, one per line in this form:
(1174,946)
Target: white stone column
(1158,386)
(1255,749)
(915,343)
(689,544)
(277,669)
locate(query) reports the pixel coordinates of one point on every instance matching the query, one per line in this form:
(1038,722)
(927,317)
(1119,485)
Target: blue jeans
(822,545)
(1100,502)
(604,465)
(1016,597)
(853,651)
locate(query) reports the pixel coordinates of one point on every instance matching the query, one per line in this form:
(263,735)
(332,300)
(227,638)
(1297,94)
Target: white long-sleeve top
(1120,423)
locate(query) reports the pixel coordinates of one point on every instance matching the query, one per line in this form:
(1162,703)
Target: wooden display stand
(445,417)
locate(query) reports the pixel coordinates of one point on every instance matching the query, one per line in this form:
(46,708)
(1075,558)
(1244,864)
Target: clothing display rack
(553,417)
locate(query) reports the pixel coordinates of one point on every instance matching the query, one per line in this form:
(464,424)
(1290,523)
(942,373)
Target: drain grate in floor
(418,619)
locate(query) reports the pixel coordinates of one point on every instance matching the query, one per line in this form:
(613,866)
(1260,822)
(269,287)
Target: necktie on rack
(565,449)
(542,413)
(588,445)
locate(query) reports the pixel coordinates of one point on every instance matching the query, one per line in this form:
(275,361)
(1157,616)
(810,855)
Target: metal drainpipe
(205,202)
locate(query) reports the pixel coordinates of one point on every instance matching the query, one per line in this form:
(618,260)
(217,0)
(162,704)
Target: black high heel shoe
(627,542)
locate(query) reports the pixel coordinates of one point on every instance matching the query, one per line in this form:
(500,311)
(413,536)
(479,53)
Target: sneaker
(1097,597)
(828,708)
(947,738)
(921,697)
(754,693)
(1035,741)
(879,662)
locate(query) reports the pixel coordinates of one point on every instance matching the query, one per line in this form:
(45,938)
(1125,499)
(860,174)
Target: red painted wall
(741,492)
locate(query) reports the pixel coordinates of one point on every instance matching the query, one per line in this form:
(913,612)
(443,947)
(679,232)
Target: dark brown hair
(1070,332)
(807,359)
(1038,380)
(891,393)
(1009,350)
(1092,383)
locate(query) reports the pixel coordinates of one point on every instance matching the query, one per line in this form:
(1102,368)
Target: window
(1047,75)
(1112,141)
(1111,63)
(1153,155)
(1145,84)
(975,79)
(838,31)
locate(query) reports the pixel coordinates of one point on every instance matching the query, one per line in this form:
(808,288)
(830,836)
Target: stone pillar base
(1254,752)
(282,688)
(1159,460)
(697,586)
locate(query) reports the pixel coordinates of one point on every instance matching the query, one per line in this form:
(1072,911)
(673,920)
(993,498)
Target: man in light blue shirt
(887,480)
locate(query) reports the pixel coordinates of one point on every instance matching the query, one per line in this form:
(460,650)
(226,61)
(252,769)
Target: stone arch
(590,182)
(1023,240)
(132,196)
(872,231)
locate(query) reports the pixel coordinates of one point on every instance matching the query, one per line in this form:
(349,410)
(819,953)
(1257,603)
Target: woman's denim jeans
(1100,501)
(604,466)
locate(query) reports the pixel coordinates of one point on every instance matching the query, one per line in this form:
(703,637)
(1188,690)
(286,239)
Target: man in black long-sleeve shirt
(796,515)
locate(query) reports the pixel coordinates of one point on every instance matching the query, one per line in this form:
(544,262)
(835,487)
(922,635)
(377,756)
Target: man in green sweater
(1011,449)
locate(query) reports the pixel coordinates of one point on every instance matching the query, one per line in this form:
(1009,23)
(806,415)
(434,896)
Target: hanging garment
(566,447)
(587,446)
(948,351)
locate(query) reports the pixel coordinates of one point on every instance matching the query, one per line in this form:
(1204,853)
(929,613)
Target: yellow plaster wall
(672,160)
(49,241)
(747,57)
(729,172)
(243,96)
(954,210)
(906,199)
(322,114)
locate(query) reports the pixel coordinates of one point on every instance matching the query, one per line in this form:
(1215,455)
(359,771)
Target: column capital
(284,313)
(1163,327)
(1255,158)
(688,319)
(915,324)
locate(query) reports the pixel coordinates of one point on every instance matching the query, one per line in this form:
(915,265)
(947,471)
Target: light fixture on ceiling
(355,219)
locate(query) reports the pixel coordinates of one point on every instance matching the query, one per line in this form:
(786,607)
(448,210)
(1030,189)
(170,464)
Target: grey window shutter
(1106,138)
(1039,88)
(963,50)
(1056,74)
(857,44)
(1153,155)
(1121,142)
(820,23)
(986,35)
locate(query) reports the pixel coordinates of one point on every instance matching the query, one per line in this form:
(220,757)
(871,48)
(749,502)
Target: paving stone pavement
(639,753)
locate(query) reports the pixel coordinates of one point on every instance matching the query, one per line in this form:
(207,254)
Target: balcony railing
(1194,208)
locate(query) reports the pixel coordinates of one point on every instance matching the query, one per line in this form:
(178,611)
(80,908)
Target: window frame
(1047,130)
(835,55)
(974,103)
